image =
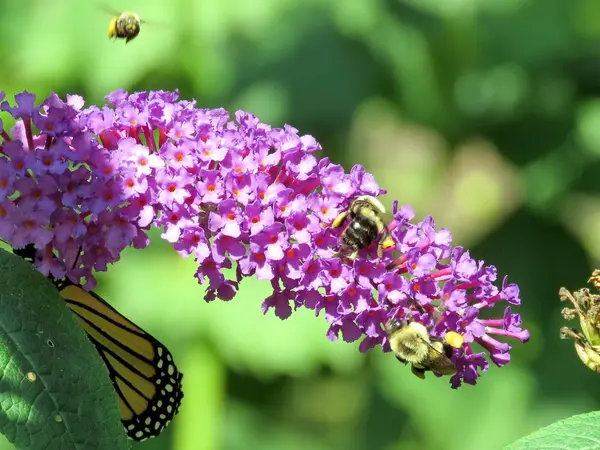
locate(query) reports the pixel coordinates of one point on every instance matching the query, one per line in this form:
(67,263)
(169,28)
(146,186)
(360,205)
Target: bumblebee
(412,344)
(124,26)
(365,227)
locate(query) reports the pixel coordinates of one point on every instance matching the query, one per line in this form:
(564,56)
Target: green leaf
(54,388)
(581,432)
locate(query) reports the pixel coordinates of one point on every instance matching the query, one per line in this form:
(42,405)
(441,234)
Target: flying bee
(366,225)
(125,25)
(412,344)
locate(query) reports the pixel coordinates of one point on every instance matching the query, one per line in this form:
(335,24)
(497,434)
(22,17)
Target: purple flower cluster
(83,184)
(445,289)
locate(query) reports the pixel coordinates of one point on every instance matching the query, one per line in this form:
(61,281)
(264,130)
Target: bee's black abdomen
(448,351)
(360,233)
(127,27)
(365,225)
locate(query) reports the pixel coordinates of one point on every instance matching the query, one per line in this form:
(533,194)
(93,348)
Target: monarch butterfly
(142,370)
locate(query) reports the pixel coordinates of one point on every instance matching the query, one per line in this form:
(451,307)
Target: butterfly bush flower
(243,199)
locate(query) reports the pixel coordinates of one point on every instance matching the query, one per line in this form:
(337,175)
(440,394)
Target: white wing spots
(164,402)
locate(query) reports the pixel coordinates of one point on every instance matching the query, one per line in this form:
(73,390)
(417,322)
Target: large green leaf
(581,432)
(54,389)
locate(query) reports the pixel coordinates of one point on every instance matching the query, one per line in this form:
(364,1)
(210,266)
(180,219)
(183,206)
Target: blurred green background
(482,113)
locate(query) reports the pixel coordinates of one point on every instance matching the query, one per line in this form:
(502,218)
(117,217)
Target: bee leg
(402,360)
(353,255)
(419,373)
(385,241)
(342,254)
(339,219)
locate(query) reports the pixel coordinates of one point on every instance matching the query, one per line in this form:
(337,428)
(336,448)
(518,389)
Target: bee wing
(157,23)
(440,356)
(107,9)
(114,13)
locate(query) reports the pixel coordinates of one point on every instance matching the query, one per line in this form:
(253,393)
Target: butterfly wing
(142,370)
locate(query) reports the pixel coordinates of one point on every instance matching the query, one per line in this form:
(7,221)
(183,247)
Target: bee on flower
(236,193)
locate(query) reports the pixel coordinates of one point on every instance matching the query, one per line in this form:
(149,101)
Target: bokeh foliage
(483,113)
